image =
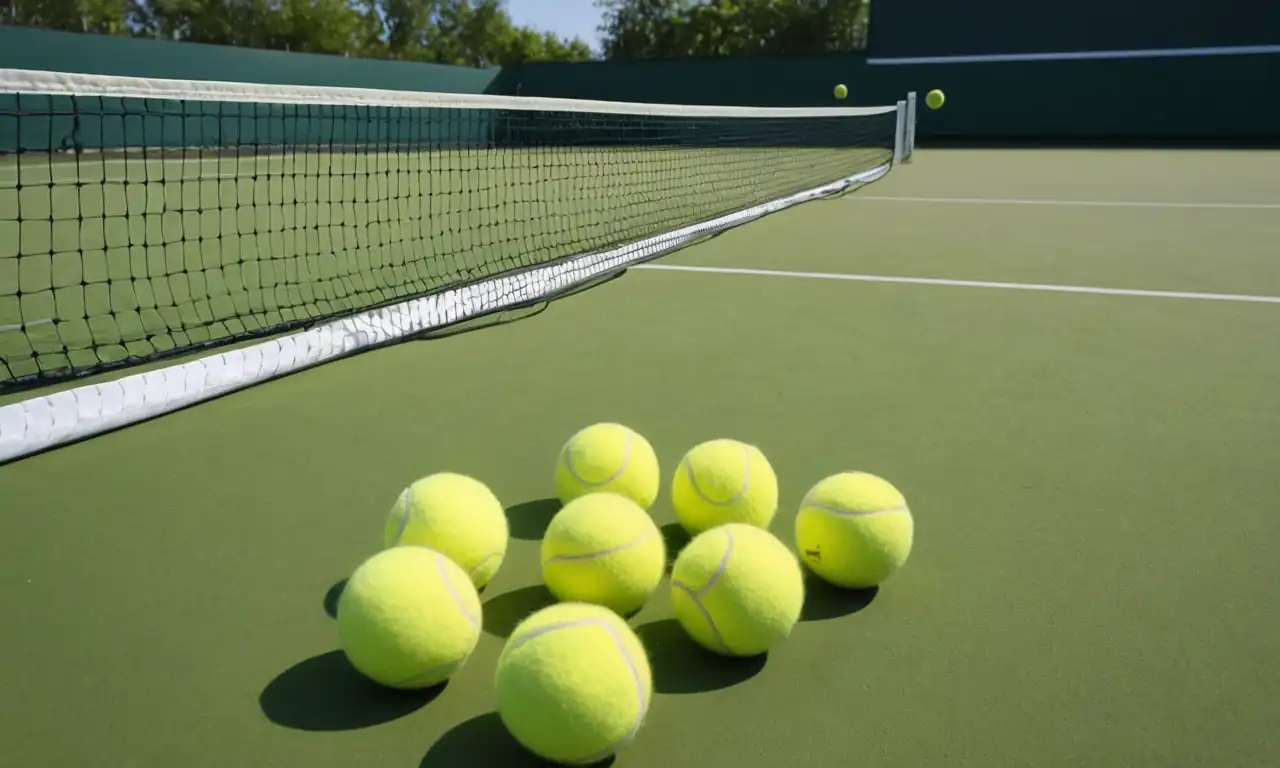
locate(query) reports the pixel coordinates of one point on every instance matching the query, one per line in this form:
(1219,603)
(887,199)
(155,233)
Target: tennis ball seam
(480,566)
(453,591)
(626,462)
(404,511)
(603,552)
(842,512)
(442,569)
(537,632)
(711,582)
(406,502)
(742,490)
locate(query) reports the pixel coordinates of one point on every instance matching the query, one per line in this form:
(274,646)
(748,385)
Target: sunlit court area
(673,407)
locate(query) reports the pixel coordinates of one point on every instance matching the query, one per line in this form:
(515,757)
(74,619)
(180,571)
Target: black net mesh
(132,229)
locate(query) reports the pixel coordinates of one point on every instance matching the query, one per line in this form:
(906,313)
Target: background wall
(1216,98)
(22,48)
(111,123)
(1171,98)
(901,28)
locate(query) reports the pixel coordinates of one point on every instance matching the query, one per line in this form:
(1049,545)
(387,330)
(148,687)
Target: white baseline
(1078,203)
(968,283)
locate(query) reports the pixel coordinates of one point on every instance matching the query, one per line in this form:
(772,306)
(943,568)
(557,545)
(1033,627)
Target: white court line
(1080,203)
(1235,50)
(969,283)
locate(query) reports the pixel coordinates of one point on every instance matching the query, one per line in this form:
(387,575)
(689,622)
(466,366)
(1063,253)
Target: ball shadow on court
(503,612)
(682,666)
(325,693)
(529,520)
(332,596)
(824,601)
(483,741)
(676,538)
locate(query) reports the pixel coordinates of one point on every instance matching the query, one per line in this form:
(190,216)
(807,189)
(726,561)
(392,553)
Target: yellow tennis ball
(608,458)
(408,618)
(573,683)
(737,590)
(841,91)
(453,514)
(604,549)
(724,481)
(935,99)
(854,530)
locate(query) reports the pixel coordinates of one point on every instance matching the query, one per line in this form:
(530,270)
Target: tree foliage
(639,29)
(474,33)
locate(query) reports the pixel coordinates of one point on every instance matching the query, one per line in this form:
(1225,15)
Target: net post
(909,140)
(900,133)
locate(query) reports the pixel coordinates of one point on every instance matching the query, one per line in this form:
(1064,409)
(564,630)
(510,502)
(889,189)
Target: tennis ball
(854,530)
(935,99)
(608,458)
(573,683)
(604,549)
(724,481)
(408,618)
(455,515)
(841,91)
(737,590)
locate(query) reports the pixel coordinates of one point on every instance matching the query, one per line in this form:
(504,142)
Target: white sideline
(1149,53)
(1078,203)
(47,421)
(968,283)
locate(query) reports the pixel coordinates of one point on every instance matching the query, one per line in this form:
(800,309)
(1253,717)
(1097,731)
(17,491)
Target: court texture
(1067,360)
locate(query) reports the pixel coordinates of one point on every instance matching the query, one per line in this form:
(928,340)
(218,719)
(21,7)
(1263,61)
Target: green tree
(98,16)
(476,33)
(317,26)
(635,29)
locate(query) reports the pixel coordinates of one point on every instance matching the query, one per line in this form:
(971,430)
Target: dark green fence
(1160,98)
(776,81)
(1174,98)
(63,123)
(22,48)
(1221,97)
(911,28)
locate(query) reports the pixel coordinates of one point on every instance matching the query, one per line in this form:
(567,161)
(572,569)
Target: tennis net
(142,218)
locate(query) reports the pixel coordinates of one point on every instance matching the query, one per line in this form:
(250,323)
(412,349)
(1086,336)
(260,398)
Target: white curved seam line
(705,613)
(534,634)
(404,501)
(481,564)
(626,460)
(742,490)
(444,577)
(720,569)
(604,552)
(457,598)
(640,699)
(540,631)
(854,512)
(711,582)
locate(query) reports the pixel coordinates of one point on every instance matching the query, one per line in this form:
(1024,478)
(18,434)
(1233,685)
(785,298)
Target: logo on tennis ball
(813,555)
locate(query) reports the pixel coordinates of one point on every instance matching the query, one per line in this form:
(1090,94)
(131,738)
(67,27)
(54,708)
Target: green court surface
(1093,477)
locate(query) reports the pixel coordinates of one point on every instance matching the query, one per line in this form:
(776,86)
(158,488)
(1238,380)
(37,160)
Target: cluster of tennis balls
(573,682)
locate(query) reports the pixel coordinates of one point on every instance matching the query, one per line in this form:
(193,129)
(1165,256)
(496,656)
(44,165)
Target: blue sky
(568,18)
